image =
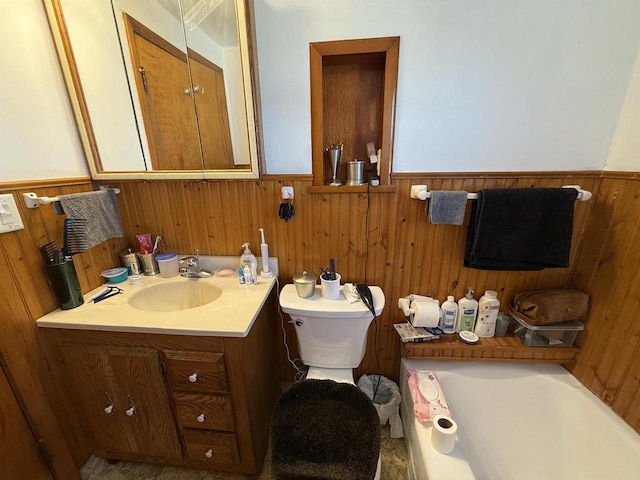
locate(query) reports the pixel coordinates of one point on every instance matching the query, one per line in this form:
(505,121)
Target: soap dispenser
(467,312)
(248,258)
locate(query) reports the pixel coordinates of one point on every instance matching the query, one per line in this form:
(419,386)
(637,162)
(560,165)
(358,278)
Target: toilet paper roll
(443,434)
(425,314)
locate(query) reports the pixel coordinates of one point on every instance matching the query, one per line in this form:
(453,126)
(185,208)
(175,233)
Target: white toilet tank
(331,333)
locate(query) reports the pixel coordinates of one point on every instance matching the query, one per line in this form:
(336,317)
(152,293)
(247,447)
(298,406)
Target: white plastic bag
(387,400)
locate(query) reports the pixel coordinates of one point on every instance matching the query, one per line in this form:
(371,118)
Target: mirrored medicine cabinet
(161,89)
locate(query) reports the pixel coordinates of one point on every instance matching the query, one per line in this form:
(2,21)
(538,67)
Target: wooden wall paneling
(20,349)
(611,345)
(596,261)
(17,438)
(623,339)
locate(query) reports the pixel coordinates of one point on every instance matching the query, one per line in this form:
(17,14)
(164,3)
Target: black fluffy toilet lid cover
(323,429)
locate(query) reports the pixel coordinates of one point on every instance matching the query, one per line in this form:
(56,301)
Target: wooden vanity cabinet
(173,399)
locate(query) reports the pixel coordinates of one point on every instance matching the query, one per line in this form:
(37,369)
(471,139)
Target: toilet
(331,336)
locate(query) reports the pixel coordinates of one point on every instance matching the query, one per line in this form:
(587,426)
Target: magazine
(409,333)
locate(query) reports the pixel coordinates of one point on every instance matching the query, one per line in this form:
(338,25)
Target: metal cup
(355,172)
(149,263)
(335,155)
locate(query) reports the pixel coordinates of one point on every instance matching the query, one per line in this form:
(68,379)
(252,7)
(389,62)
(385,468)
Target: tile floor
(394,467)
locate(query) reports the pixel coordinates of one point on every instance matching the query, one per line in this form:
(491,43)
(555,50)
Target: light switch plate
(9,215)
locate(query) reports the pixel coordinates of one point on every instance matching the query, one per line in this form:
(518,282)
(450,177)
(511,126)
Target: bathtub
(519,422)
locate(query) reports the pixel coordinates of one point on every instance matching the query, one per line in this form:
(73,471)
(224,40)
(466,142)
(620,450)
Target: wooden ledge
(500,349)
(351,189)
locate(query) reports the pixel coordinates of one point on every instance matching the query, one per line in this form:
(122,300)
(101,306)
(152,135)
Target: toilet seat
(342,375)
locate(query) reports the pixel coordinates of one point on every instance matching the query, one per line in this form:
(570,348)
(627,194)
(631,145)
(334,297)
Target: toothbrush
(155,245)
(264,249)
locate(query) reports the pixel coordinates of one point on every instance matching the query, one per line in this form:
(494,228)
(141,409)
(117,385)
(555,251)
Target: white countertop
(230,315)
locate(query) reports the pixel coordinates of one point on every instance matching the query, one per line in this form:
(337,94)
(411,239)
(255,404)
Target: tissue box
(556,335)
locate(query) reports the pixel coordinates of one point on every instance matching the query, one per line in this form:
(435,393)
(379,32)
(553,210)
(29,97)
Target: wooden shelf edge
(501,349)
(323,189)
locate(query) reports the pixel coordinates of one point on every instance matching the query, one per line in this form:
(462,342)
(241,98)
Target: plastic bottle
(487,313)
(449,315)
(248,258)
(241,275)
(248,279)
(467,311)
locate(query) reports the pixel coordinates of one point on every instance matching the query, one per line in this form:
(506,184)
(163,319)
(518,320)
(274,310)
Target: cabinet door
(94,395)
(141,386)
(120,394)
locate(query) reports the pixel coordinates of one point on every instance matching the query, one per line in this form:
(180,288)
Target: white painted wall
(486,85)
(491,85)
(38,137)
(624,153)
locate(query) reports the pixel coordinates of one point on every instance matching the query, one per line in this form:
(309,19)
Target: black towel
(521,229)
(324,430)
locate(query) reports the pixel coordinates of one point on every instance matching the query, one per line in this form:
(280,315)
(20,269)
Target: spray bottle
(264,249)
(467,311)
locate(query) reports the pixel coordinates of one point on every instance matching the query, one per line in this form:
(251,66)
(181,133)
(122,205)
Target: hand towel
(99,209)
(447,207)
(521,229)
(427,395)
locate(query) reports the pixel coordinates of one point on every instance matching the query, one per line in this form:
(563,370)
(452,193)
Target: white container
(488,308)
(330,289)
(449,315)
(467,312)
(167,264)
(248,279)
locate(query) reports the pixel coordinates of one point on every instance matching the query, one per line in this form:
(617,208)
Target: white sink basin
(175,295)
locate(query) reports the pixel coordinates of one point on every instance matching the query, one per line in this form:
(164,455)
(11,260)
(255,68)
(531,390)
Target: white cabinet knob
(131,411)
(108,409)
(209,453)
(193,378)
(200,418)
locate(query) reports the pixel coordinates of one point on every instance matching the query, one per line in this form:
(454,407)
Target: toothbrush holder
(330,289)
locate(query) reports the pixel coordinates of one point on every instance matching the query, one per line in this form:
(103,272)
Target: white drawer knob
(193,378)
(130,411)
(209,453)
(200,418)
(108,409)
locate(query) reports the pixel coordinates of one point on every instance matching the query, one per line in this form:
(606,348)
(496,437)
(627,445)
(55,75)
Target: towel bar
(421,192)
(32,200)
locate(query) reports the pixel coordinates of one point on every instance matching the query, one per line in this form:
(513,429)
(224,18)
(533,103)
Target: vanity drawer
(196,371)
(211,412)
(211,447)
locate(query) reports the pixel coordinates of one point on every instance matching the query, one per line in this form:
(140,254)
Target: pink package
(426,393)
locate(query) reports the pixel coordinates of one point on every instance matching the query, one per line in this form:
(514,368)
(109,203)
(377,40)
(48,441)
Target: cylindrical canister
(66,286)
(355,172)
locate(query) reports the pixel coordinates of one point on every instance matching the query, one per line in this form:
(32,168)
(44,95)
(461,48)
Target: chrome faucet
(190,267)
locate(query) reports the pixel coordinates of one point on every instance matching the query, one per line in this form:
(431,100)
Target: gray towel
(447,207)
(100,209)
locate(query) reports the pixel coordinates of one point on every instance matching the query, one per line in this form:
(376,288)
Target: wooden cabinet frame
(383,51)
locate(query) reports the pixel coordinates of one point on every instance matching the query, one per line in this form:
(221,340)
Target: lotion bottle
(449,315)
(487,314)
(467,312)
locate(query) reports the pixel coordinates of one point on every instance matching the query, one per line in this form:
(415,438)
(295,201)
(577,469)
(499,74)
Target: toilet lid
(342,375)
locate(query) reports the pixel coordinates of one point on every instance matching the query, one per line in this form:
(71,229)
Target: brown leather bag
(545,307)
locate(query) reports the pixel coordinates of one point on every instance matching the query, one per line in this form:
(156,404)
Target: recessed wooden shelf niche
(353,97)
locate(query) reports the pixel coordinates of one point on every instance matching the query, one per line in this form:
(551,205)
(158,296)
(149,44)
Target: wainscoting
(385,235)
